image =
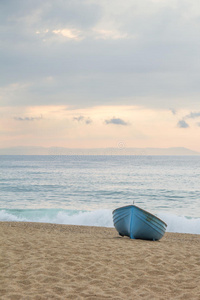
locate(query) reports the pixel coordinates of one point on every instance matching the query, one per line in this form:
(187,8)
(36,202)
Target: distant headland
(96,151)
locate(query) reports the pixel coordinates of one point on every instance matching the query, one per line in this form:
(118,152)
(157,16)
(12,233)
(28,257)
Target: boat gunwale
(141,210)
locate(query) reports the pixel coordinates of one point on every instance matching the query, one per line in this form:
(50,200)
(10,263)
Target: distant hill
(96,151)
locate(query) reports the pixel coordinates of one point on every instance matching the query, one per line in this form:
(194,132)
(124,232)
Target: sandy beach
(47,261)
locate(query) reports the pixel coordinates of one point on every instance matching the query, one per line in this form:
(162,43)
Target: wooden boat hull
(137,223)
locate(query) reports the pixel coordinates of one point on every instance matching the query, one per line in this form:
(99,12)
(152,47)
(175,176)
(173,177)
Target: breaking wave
(103,218)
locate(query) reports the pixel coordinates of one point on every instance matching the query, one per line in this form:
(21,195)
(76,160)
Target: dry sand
(45,261)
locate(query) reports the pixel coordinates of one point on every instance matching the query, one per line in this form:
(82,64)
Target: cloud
(173,111)
(80,118)
(72,34)
(83,119)
(88,121)
(116,121)
(47,12)
(110,34)
(192,115)
(101,52)
(182,124)
(28,118)
(76,13)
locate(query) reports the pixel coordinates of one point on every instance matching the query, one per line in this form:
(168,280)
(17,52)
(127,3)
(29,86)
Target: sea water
(83,190)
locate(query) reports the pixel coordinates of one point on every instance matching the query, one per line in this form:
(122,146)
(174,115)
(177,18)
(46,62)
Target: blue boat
(137,223)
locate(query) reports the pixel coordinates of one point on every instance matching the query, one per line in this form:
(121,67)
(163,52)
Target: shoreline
(52,261)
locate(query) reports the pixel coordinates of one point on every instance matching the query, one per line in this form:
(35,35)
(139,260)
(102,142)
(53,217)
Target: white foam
(181,224)
(9,217)
(102,217)
(92,218)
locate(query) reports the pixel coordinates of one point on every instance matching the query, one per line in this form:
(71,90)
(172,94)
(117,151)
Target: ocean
(83,190)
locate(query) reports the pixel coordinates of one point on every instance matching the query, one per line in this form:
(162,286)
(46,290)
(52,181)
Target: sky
(90,74)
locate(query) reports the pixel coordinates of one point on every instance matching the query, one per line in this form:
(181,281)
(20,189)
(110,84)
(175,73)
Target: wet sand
(46,261)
